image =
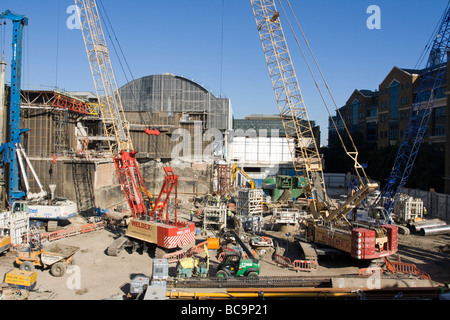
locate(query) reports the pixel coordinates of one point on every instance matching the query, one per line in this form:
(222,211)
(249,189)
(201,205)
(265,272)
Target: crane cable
(113,37)
(320,92)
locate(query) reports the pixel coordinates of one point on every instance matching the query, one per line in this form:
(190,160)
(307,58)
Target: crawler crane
(148,225)
(328,227)
(428,91)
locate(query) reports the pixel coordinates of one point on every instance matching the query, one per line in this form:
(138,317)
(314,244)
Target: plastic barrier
(367,272)
(407,268)
(305,265)
(282,260)
(297,265)
(175,256)
(65,233)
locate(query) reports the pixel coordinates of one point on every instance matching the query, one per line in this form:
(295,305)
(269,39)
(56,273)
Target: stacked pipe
(432,227)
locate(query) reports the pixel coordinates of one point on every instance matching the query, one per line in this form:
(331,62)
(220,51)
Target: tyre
(58,269)
(27,266)
(252,274)
(222,274)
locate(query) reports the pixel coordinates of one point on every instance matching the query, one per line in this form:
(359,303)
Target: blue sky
(188,38)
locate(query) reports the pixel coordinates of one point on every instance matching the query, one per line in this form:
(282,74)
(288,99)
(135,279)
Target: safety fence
(406,268)
(367,272)
(70,232)
(297,265)
(175,256)
(437,204)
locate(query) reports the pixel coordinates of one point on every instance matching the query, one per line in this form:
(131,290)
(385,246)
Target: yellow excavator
(239,177)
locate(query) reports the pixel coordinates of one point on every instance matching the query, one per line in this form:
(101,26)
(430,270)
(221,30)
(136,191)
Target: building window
(440,112)
(355,109)
(393,100)
(439,130)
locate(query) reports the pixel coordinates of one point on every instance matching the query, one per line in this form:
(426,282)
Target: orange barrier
(175,256)
(297,265)
(196,249)
(305,265)
(367,272)
(282,260)
(407,268)
(60,234)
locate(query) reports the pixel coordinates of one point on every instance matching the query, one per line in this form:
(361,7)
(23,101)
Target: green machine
(283,187)
(233,265)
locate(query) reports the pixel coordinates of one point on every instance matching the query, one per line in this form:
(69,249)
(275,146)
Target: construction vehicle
(5,243)
(194,266)
(56,256)
(241,178)
(148,225)
(328,225)
(234,264)
(430,89)
(13,156)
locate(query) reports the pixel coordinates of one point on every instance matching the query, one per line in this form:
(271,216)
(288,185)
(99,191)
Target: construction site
(152,190)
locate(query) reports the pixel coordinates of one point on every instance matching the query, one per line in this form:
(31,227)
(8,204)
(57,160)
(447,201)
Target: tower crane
(147,225)
(427,93)
(329,226)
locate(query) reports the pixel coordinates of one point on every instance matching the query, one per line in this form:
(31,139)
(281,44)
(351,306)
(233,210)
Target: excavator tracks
(309,251)
(115,247)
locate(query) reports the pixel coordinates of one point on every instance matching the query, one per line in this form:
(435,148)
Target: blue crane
(428,92)
(8,153)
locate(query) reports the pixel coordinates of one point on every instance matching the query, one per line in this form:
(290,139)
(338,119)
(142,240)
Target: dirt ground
(96,276)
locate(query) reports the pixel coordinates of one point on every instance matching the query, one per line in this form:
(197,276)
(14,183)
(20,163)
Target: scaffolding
(249,208)
(287,215)
(214,218)
(15,224)
(223,179)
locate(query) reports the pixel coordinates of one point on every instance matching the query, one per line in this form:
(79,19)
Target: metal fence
(437,204)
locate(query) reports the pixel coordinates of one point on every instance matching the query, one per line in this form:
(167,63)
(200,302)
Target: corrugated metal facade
(172,94)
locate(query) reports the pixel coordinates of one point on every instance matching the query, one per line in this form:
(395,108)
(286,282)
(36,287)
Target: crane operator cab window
(378,213)
(20,207)
(232,262)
